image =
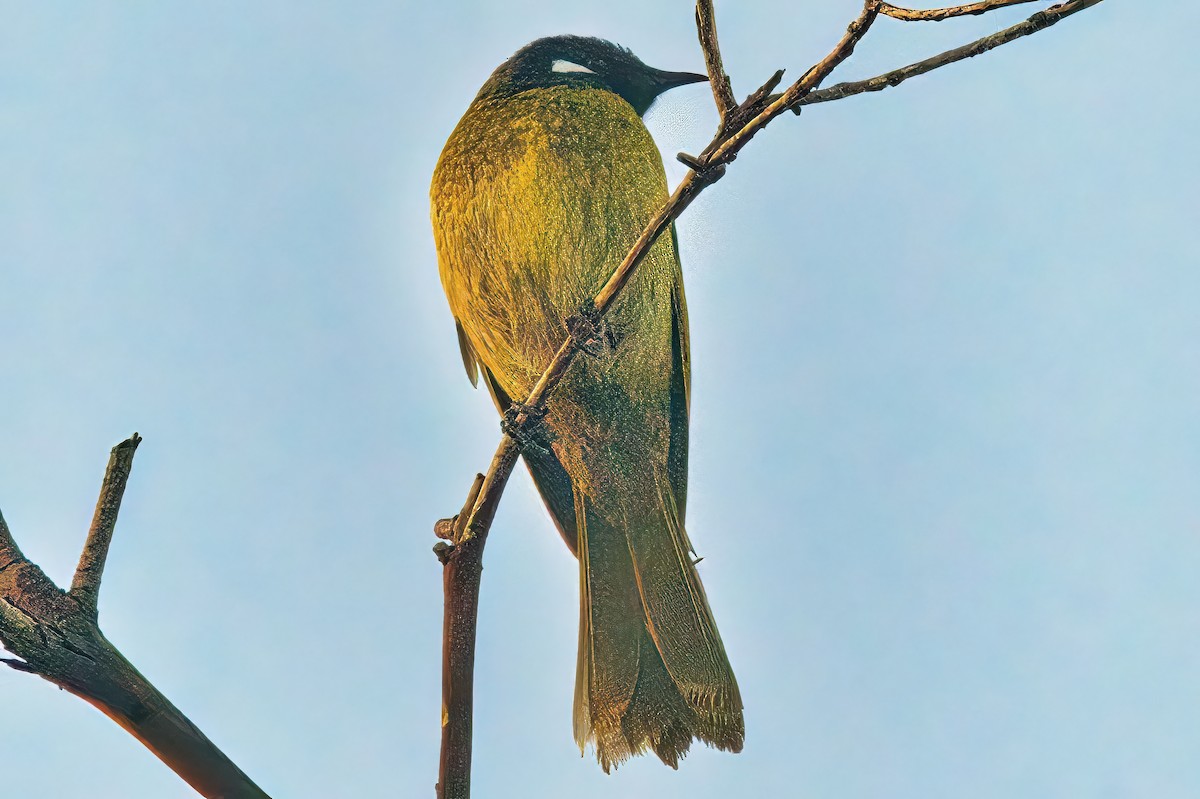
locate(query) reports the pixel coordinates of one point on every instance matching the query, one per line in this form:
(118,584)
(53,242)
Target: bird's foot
(592,334)
(526,426)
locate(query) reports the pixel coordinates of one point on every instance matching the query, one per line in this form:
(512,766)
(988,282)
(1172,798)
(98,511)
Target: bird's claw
(592,334)
(530,433)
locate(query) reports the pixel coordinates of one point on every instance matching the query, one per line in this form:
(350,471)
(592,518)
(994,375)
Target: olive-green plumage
(539,193)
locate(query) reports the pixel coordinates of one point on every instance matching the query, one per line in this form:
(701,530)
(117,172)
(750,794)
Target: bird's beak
(669,80)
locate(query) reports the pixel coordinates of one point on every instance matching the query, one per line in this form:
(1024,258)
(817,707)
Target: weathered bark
(55,635)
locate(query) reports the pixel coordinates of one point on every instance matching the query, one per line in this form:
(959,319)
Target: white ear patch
(562,65)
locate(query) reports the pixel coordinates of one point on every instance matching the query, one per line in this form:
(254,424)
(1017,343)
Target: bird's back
(536,198)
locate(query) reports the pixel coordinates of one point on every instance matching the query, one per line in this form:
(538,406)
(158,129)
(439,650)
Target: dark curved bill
(669,80)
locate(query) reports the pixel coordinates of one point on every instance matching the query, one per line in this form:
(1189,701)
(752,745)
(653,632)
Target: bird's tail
(652,671)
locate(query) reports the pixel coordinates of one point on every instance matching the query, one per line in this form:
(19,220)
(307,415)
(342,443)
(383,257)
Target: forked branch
(1037,22)
(722,88)
(54,635)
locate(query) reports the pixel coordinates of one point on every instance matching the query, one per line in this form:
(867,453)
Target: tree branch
(729,149)
(1039,21)
(85,587)
(460,588)
(939,14)
(467,533)
(55,636)
(722,87)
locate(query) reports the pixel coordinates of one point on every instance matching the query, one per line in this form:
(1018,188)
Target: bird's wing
(681,388)
(680,317)
(468,354)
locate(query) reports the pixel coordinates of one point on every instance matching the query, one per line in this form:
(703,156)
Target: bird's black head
(584,61)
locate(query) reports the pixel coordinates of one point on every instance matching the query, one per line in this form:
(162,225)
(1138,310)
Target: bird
(542,187)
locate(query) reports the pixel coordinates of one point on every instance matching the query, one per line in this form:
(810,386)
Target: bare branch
(451,529)
(55,636)
(722,88)
(728,150)
(939,14)
(1035,23)
(85,587)
(460,609)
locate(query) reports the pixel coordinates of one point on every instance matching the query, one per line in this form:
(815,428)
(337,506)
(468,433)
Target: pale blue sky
(946,420)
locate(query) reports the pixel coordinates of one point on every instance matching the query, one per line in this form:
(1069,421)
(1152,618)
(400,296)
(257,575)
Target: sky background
(946,430)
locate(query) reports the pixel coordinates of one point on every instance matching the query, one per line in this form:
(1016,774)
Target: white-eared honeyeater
(542,188)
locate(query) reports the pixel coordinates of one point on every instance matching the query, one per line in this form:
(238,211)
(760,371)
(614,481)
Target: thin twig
(462,559)
(811,79)
(85,586)
(451,529)
(1035,23)
(722,87)
(18,665)
(939,14)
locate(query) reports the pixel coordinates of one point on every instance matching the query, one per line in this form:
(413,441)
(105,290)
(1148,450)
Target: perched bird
(542,188)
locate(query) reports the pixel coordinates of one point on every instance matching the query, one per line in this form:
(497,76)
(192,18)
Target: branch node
(451,530)
(1041,20)
(443,550)
(444,528)
(710,171)
(764,91)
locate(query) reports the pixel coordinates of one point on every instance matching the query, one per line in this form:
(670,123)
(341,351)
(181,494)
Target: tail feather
(652,671)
